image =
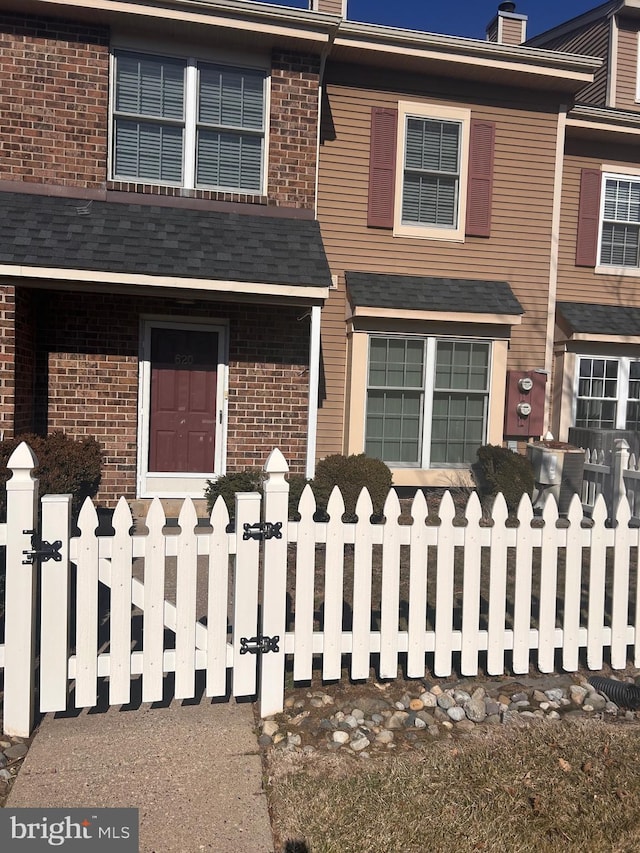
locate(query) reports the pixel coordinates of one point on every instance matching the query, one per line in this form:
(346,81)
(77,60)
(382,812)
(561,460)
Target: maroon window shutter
(382,167)
(588,218)
(480,182)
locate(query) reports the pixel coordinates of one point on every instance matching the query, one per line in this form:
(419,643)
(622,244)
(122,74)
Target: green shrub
(500,470)
(65,466)
(351,474)
(250,480)
(226,486)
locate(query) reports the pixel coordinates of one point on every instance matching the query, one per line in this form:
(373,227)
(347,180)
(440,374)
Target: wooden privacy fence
(420,592)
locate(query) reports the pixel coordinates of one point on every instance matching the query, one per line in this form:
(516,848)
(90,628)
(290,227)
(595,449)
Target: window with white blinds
(188,123)
(431,172)
(620,227)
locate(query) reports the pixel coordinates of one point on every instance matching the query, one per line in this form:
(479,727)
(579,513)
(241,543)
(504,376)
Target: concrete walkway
(193,771)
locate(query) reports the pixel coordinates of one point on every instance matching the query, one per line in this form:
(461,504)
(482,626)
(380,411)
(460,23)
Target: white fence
(417,592)
(612,475)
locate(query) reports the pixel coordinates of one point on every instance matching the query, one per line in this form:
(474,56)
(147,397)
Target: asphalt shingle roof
(48,231)
(586,318)
(427,293)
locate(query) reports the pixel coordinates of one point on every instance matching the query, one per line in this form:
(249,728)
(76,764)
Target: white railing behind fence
(446,570)
(612,475)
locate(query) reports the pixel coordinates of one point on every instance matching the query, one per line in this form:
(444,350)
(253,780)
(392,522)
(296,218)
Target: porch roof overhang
(609,324)
(429,298)
(108,244)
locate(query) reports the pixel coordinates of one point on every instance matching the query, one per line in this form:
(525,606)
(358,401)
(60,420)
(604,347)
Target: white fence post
(619,465)
(54,605)
(245,593)
(276,510)
(20,594)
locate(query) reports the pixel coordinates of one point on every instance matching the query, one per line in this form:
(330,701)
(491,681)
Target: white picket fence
(612,475)
(422,595)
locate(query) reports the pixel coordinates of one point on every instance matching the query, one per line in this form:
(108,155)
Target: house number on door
(180,358)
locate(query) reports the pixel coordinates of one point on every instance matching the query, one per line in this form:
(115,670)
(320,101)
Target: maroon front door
(184,365)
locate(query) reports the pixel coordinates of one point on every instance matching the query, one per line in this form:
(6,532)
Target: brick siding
(294,129)
(7,359)
(88,378)
(53,101)
(25,360)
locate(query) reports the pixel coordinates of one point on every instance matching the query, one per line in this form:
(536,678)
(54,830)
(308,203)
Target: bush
(65,466)
(249,480)
(226,486)
(500,470)
(351,474)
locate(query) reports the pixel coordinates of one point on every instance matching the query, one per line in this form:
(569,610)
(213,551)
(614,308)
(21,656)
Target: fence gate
(119,605)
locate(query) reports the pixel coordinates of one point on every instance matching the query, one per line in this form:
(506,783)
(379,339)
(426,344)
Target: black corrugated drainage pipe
(623,694)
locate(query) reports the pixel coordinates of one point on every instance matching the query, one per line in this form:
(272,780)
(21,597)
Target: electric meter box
(524,409)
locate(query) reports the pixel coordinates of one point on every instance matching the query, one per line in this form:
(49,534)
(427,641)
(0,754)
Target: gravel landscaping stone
(381,718)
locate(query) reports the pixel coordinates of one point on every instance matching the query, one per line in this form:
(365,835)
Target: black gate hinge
(260,645)
(41,549)
(262,530)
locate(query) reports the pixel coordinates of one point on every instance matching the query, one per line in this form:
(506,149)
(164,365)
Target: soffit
(461,58)
(251,25)
(603,123)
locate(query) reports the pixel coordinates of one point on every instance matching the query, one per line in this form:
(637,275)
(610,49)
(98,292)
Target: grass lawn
(570,786)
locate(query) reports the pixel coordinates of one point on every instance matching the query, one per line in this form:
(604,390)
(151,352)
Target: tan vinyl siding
(589,40)
(330,7)
(627,66)
(517,251)
(582,284)
(511,31)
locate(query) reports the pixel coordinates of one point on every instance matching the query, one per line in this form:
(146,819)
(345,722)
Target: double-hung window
(433,164)
(608,393)
(620,228)
(188,123)
(427,400)
(431,172)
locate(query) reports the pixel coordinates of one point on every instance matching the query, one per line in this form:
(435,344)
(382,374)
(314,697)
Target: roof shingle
(587,318)
(428,293)
(65,233)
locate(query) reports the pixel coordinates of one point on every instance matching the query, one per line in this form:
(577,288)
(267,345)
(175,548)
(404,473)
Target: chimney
(507,27)
(330,7)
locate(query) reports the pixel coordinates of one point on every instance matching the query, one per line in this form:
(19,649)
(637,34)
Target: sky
(467,18)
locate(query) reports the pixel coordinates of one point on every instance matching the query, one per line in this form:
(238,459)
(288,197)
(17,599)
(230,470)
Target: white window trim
(178,484)
(637,66)
(623,386)
(190,109)
(438,113)
(615,173)
(428,389)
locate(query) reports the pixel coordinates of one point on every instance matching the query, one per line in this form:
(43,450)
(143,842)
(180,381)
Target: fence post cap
(621,444)
(276,463)
(22,458)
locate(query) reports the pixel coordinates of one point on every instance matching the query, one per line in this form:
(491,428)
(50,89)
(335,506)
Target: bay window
(608,393)
(427,400)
